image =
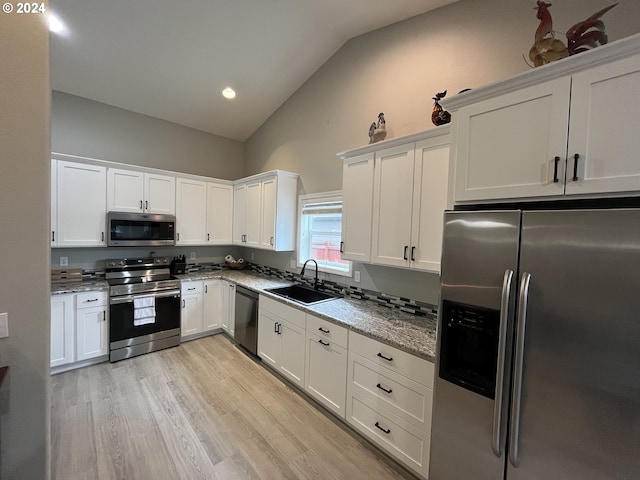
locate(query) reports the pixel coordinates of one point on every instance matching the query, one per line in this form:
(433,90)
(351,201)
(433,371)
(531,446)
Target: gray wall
(91,129)
(397,70)
(24,238)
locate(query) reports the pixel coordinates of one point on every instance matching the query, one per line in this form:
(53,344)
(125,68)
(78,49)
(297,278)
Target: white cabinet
(62,329)
(140,192)
(567,129)
(54,201)
(228,319)
(326,363)
(191,212)
(281,339)
(212,298)
(389,400)
(409,198)
(357,201)
(92,330)
(219,213)
(192,308)
(265,211)
(81,205)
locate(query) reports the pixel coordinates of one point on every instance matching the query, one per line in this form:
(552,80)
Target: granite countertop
(410,333)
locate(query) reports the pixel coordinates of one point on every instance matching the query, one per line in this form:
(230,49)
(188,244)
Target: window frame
(324,197)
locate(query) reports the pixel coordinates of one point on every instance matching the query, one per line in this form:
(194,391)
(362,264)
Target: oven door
(122,328)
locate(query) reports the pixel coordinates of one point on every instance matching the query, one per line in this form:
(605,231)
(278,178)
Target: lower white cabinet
(192,308)
(92,314)
(212,305)
(326,363)
(79,327)
(281,339)
(389,400)
(62,329)
(228,319)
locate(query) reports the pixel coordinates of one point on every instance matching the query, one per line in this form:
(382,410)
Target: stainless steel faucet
(315,283)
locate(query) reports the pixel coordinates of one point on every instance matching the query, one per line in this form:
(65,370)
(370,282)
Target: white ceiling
(170,59)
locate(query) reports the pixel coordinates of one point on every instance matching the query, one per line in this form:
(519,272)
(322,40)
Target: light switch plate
(4,325)
(64,261)
(193,255)
(356,276)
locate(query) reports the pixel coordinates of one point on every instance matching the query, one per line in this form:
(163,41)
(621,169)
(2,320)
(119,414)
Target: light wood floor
(203,410)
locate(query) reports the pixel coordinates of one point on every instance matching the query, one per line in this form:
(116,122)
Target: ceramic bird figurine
(582,36)
(588,33)
(546,48)
(439,116)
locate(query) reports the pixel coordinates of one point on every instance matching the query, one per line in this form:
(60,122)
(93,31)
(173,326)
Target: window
(320,232)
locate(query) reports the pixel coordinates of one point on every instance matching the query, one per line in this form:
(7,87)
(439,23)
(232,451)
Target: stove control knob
(165,260)
(122,263)
(112,264)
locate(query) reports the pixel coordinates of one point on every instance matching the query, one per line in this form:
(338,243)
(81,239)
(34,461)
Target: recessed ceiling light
(229,93)
(55,25)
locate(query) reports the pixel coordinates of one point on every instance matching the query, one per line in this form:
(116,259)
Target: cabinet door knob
(576,157)
(556,161)
(404,255)
(341,247)
(140,204)
(104,316)
(146,205)
(413,254)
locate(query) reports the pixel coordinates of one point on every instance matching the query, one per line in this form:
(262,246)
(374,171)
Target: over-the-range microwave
(140,229)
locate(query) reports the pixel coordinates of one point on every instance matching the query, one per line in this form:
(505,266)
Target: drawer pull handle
(384,389)
(323,343)
(91,300)
(191,288)
(323,330)
(388,359)
(385,430)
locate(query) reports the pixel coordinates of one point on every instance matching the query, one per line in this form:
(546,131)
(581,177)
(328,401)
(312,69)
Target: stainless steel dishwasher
(246,328)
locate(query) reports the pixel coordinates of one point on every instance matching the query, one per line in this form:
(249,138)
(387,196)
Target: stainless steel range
(144,306)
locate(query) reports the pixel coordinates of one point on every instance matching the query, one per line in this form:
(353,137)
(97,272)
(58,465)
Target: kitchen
(423,45)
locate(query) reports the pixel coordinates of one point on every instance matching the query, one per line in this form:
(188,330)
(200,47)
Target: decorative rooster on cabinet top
(581,37)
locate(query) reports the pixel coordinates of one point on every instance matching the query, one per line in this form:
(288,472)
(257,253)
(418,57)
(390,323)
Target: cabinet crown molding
(393,142)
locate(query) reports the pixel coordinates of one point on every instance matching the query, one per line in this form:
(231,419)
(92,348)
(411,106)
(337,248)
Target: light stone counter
(411,333)
(75,287)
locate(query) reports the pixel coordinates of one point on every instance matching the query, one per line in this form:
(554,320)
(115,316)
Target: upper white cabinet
(395,194)
(138,192)
(191,212)
(566,129)
(357,202)
(265,211)
(219,213)
(81,205)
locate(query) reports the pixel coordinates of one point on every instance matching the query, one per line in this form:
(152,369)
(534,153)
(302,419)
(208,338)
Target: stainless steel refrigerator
(538,357)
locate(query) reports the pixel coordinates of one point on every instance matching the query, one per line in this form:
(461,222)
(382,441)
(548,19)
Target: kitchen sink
(301,294)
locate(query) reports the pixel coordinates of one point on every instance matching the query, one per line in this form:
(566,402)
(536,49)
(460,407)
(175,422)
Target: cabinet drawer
(91,299)
(400,439)
(191,288)
(392,392)
(328,330)
(285,312)
(380,354)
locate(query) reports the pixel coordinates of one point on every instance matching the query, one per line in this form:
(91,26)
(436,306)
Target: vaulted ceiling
(171,59)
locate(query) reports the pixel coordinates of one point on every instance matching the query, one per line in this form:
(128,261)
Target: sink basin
(301,294)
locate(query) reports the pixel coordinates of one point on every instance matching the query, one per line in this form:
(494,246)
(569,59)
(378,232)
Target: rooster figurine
(439,116)
(583,35)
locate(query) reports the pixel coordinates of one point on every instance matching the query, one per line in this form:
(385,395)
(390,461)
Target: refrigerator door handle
(496,441)
(516,393)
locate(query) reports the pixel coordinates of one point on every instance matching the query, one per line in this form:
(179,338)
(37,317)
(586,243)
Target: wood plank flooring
(203,410)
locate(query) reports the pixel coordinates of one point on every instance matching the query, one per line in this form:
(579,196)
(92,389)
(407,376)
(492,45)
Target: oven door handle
(130,298)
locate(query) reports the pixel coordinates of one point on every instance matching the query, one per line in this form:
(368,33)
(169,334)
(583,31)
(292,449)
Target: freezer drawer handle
(384,389)
(385,430)
(516,393)
(388,359)
(576,157)
(496,441)
(555,169)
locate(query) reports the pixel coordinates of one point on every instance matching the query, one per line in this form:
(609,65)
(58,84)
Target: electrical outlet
(356,276)
(4,325)
(193,256)
(64,261)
